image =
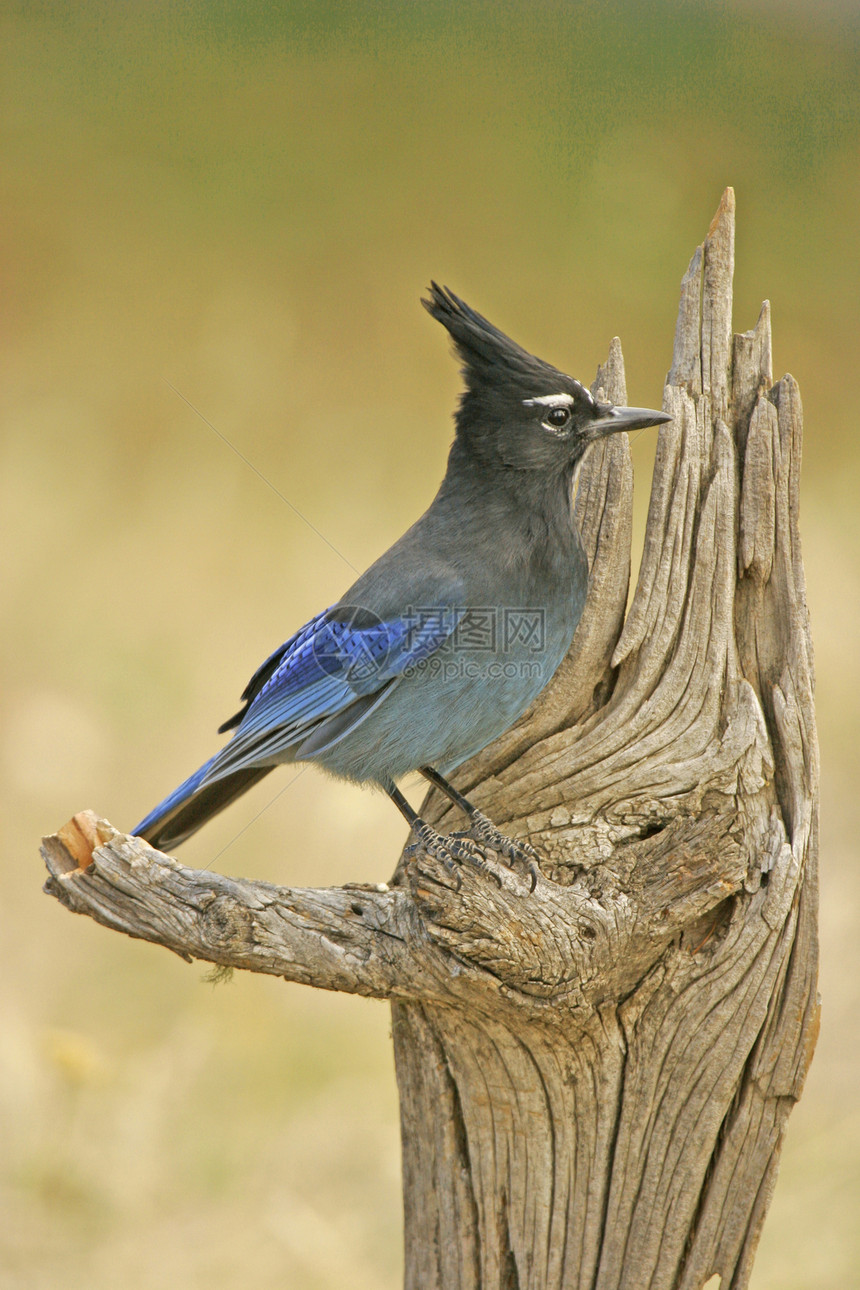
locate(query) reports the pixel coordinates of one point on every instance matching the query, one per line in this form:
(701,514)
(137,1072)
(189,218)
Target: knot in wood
(227,923)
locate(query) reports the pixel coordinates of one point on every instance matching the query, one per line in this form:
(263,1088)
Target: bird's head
(517,411)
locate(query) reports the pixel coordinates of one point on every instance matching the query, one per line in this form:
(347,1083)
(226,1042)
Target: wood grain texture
(594,1078)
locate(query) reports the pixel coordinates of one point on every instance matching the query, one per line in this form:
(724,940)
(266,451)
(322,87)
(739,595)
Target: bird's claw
(485,833)
(469,846)
(451,850)
(475,854)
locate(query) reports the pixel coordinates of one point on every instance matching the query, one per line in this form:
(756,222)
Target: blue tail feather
(193,803)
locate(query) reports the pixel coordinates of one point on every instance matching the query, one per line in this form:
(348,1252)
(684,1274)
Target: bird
(450,636)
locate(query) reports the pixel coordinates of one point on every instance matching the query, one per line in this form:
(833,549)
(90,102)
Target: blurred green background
(244,202)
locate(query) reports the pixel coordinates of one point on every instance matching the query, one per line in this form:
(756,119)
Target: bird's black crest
(488,355)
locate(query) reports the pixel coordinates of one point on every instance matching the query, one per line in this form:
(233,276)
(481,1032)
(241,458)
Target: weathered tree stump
(594,1078)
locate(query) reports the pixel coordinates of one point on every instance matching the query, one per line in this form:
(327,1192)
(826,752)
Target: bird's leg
(450,851)
(484,831)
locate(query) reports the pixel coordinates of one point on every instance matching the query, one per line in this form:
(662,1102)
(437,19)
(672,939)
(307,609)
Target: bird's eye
(556,418)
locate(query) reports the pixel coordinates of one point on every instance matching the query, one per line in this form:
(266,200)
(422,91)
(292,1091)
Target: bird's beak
(611,418)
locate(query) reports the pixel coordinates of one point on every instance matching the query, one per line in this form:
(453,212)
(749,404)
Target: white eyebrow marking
(550,401)
(561,400)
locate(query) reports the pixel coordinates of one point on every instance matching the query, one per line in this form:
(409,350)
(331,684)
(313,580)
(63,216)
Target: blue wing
(334,665)
(308,694)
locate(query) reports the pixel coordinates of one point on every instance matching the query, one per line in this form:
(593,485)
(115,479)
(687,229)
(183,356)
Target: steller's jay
(447,639)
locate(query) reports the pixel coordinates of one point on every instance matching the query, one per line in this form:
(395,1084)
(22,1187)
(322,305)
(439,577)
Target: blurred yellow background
(244,202)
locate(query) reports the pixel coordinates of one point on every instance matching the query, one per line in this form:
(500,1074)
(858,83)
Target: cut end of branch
(71,848)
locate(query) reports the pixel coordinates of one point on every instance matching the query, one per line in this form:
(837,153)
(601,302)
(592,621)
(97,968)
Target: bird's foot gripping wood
(471,847)
(451,850)
(485,832)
